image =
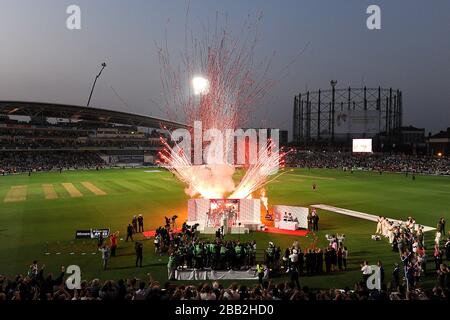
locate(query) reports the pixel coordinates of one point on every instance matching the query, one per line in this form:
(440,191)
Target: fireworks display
(257,175)
(218,84)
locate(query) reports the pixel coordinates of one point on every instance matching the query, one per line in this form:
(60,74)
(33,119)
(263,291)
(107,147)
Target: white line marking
(361,215)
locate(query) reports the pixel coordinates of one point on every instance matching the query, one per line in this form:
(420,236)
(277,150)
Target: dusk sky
(41,60)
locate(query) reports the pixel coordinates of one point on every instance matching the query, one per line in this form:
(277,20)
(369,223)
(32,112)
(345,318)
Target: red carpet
(149,234)
(298,233)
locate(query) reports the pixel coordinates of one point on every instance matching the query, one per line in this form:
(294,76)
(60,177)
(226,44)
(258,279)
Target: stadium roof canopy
(78,113)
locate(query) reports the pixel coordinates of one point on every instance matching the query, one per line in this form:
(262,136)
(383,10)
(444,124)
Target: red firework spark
(227,62)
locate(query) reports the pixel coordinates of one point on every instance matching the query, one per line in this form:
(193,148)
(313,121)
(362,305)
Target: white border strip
(361,215)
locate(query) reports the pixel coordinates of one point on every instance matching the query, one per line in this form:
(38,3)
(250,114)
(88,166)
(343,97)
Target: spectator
(366,271)
(134,224)
(141,223)
(105,255)
(442,226)
(138,248)
(171,266)
(129,233)
(345,257)
(447,249)
(113,243)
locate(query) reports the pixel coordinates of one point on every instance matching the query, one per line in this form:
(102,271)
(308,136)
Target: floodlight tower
(95,81)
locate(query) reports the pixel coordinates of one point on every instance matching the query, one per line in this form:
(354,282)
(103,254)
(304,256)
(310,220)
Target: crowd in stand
(184,248)
(56,144)
(43,128)
(38,286)
(45,146)
(48,136)
(15,162)
(375,162)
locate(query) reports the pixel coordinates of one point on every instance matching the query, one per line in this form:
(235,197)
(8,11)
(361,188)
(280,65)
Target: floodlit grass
(30,228)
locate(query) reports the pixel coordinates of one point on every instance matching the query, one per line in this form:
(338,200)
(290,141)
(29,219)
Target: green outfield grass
(30,225)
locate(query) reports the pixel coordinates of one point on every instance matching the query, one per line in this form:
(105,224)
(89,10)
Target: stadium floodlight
(95,81)
(200,85)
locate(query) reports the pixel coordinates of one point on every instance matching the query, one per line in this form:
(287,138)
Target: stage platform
(192,274)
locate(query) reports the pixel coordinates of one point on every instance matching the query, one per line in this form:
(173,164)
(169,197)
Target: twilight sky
(41,60)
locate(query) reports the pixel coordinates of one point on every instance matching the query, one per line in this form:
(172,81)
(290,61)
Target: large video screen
(362,145)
